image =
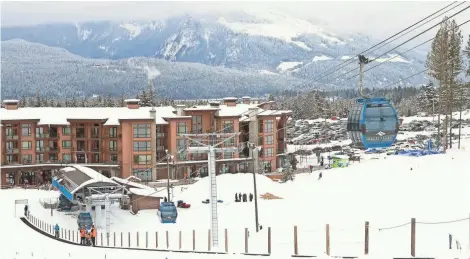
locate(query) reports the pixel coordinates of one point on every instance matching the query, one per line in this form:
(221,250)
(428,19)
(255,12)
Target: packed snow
(386,191)
(285,66)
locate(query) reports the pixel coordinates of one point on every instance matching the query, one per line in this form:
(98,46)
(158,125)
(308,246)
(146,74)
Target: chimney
(230,101)
(132,103)
(246,99)
(11,104)
(180,109)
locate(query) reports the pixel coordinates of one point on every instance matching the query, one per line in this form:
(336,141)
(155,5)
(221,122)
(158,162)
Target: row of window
(66,157)
(26,130)
(266,126)
(266,140)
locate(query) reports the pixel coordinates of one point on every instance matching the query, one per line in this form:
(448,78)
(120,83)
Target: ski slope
(387,192)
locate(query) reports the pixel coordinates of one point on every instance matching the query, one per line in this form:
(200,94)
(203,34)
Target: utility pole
(253,147)
(168,157)
(212,149)
(362,61)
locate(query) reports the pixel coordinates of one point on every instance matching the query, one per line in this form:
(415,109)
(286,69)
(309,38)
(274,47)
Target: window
(67,144)
(180,144)
(95,145)
(197,124)
(39,145)
(12,158)
(114,158)
(269,126)
(53,157)
(268,152)
(39,158)
(228,155)
(269,140)
(12,145)
(10,131)
(39,131)
(66,157)
(143,159)
(260,140)
(112,145)
(96,158)
(95,132)
(227,126)
(230,142)
(66,131)
(143,174)
(380,118)
(160,132)
(142,146)
(113,132)
(141,130)
(181,128)
(26,145)
(26,129)
(27,159)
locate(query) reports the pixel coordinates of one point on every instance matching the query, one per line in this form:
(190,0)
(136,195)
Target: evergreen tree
(38,101)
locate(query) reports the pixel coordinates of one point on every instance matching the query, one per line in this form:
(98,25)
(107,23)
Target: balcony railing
(53,135)
(42,135)
(42,149)
(160,148)
(12,137)
(12,150)
(79,135)
(53,148)
(160,135)
(95,135)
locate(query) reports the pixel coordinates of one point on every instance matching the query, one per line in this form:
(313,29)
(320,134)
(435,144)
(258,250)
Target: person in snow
(56,231)
(244,197)
(311,168)
(251,197)
(93,235)
(165,199)
(26,211)
(322,161)
(240,196)
(320,175)
(82,236)
(236,197)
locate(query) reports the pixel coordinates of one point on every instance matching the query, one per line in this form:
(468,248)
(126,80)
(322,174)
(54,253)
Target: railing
(53,148)
(113,135)
(12,137)
(12,150)
(80,135)
(160,135)
(42,135)
(95,135)
(42,149)
(160,148)
(56,135)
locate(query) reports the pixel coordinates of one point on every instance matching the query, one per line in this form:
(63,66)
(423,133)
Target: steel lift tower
(211,149)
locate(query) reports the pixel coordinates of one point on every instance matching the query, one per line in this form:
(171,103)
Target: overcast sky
(376,18)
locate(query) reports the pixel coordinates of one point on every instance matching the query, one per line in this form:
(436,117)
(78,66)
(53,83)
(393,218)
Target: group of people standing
(243,198)
(88,236)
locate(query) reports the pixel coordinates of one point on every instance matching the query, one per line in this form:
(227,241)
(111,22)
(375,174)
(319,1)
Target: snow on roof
(92,174)
(10,101)
(230,98)
(130,183)
(145,192)
(60,115)
(132,100)
(246,97)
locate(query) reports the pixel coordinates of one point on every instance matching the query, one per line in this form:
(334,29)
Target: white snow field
(387,192)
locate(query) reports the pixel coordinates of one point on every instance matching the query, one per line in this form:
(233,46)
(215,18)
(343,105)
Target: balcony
(95,135)
(160,148)
(81,135)
(53,135)
(12,137)
(53,149)
(160,135)
(13,151)
(42,149)
(42,135)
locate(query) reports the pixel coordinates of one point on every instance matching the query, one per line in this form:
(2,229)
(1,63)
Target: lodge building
(117,141)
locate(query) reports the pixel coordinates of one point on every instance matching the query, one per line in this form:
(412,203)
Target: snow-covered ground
(387,192)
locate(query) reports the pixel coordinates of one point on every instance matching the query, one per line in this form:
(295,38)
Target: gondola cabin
(167,213)
(372,123)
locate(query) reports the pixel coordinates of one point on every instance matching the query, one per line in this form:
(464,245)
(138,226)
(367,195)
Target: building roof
(77,177)
(61,115)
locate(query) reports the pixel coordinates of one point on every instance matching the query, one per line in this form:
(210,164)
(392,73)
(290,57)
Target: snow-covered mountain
(262,42)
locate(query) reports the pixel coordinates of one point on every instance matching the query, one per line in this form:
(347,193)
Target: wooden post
(107,239)
(413,236)
(226,240)
(246,240)
(114,241)
(366,238)
(101,239)
(129,239)
(209,240)
(179,240)
(137,237)
(269,240)
(73,235)
(69,235)
(146,239)
(62,233)
(167,240)
(194,240)
(156,239)
(327,239)
(296,244)
(121,239)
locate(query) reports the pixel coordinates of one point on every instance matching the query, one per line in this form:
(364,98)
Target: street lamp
(252,146)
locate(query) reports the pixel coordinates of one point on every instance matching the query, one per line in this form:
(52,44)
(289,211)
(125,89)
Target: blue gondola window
(381,118)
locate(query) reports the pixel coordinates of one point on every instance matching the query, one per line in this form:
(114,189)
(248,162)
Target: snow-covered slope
(387,191)
(250,40)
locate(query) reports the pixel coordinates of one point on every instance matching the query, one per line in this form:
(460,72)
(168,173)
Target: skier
(56,230)
(320,176)
(26,210)
(321,161)
(240,196)
(311,168)
(236,197)
(251,197)
(244,197)
(165,199)
(82,236)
